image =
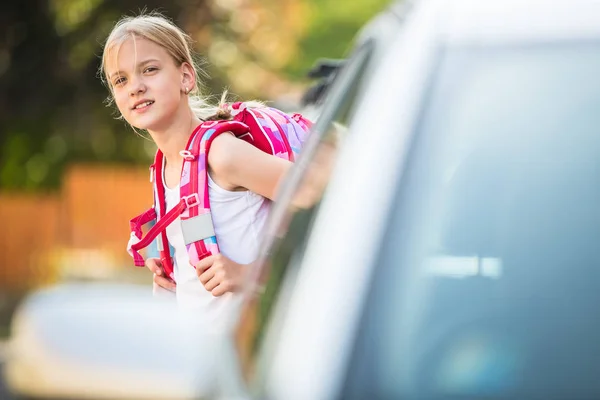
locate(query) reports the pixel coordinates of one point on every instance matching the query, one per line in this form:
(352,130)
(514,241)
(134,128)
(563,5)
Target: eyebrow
(118,73)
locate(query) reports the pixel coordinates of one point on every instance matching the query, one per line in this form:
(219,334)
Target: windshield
(488,280)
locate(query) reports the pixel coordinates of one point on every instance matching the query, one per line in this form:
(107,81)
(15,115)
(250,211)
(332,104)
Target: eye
(150,69)
(120,81)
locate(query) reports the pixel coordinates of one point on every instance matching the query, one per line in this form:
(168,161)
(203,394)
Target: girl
(149,70)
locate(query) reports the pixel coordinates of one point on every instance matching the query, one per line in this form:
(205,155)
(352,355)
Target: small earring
(187,90)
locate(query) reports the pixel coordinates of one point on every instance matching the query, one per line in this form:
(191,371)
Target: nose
(137,87)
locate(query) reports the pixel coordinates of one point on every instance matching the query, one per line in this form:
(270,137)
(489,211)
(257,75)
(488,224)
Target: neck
(174,137)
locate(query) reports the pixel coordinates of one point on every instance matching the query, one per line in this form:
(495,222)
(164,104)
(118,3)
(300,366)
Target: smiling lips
(143,105)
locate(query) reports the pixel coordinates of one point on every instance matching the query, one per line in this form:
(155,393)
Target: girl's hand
(155,265)
(220,275)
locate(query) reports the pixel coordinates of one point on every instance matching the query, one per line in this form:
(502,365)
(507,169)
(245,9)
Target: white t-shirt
(239,218)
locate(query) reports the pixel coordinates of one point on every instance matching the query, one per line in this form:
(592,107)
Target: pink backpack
(269,129)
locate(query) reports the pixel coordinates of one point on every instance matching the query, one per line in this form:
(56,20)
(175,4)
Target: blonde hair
(157,28)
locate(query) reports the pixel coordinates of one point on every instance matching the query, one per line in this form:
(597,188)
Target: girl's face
(148,86)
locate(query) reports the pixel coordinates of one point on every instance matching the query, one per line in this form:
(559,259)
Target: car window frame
(345,82)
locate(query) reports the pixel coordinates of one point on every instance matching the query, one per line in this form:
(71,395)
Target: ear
(188,78)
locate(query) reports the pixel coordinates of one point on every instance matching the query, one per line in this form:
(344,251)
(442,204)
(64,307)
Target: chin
(147,124)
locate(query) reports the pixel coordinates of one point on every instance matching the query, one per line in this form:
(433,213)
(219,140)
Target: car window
(487,283)
(291,219)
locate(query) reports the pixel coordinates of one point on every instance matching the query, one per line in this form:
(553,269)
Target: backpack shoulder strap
(137,242)
(196,221)
(161,205)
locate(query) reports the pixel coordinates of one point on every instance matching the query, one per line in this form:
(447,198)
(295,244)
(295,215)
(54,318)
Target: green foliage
(332,26)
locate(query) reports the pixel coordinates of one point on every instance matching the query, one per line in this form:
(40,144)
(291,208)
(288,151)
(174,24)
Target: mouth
(142,105)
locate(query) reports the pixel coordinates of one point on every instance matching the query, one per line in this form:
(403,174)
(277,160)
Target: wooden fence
(82,230)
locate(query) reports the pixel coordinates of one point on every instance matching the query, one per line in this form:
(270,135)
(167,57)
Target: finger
(213,283)
(165,283)
(206,275)
(220,290)
(204,264)
(154,265)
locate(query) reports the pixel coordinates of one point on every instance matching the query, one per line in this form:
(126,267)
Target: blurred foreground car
(438,239)
(110,341)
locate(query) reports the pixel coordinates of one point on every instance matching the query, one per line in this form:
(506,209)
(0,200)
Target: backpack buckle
(187,155)
(191,200)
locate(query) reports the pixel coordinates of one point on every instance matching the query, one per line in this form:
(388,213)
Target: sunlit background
(71,175)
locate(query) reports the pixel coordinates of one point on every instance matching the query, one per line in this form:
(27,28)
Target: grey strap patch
(197,228)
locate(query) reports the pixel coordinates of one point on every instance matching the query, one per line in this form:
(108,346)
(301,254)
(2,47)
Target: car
(437,237)
(453,255)
(102,340)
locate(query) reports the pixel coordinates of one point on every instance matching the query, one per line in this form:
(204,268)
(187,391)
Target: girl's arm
(236,164)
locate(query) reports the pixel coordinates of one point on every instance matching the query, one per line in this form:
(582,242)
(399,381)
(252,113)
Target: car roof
(522,21)
(384,25)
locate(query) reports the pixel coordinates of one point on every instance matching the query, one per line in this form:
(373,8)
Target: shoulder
(229,157)
(224,151)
